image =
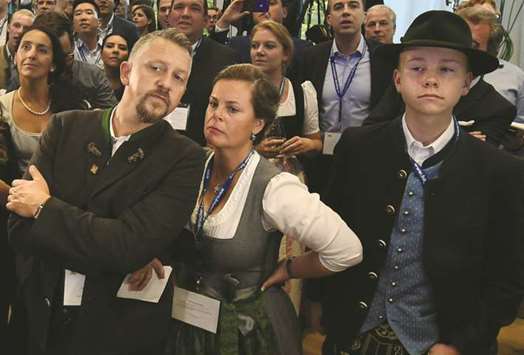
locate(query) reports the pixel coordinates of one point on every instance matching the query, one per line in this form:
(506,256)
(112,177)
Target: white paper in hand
(73,288)
(151,293)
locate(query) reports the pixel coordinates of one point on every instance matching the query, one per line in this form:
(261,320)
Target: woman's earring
(253,136)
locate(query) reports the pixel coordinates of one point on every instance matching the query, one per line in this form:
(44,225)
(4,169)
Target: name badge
(151,292)
(178,118)
(196,309)
(330,141)
(73,288)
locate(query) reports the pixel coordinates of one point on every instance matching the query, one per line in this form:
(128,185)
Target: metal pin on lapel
(94,169)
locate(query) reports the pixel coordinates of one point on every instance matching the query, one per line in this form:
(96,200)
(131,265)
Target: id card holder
(178,118)
(195,309)
(73,288)
(330,141)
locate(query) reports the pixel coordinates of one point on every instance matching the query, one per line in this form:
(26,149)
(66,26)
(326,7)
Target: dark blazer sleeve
(503,273)
(86,242)
(220,37)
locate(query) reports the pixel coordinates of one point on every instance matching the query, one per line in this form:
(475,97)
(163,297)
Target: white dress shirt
(420,152)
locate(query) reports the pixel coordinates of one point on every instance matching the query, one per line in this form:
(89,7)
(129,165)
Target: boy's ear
(467,83)
(396,79)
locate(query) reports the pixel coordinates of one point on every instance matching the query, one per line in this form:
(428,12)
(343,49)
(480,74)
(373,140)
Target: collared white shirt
(84,54)
(195,46)
(117,141)
(418,151)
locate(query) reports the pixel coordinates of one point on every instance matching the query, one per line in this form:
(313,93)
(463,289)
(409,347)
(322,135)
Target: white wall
(408,10)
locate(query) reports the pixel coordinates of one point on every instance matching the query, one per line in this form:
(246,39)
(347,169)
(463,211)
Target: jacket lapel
(129,156)
(98,151)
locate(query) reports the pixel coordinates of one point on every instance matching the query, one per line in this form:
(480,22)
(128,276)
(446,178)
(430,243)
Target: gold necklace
(26,106)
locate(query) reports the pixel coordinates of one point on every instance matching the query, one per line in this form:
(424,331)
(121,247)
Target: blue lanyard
(219,195)
(348,82)
(419,172)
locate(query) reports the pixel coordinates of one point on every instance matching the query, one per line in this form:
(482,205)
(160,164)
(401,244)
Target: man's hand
(443,349)
(140,278)
(232,14)
(478,135)
(26,196)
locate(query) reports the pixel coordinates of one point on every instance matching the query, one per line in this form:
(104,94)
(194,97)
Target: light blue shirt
(509,82)
(355,103)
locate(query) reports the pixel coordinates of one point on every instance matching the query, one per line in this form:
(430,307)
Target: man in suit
(109,191)
(349,80)
(380,24)
(110,23)
(439,213)
(209,58)
(20,21)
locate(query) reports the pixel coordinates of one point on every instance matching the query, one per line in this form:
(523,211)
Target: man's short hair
(92,2)
(171,34)
(362,2)
(392,14)
(24,12)
(59,24)
(477,15)
(204,4)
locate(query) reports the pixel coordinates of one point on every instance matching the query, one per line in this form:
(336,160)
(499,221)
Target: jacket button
(372,275)
(390,210)
(381,244)
(402,174)
(363,305)
(47,301)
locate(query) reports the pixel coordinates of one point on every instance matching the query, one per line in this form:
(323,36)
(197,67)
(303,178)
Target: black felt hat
(441,29)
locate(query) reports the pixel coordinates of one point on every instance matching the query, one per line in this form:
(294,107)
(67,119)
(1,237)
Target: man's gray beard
(146,116)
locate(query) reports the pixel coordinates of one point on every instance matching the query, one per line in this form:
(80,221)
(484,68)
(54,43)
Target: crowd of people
(168,169)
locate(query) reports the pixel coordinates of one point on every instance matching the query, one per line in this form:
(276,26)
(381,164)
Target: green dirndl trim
(243,329)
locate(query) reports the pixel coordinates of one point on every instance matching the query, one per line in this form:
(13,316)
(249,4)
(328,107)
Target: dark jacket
(127,28)
(473,227)
(210,58)
(107,217)
(491,112)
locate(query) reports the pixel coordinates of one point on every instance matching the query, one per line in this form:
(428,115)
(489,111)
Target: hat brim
(480,62)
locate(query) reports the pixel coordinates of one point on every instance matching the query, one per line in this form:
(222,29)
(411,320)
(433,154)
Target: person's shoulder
(80,117)
(319,48)
(512,68)
(371,133)
(179,145)
(215,46)
(120,23)
(213,51)
(489,157)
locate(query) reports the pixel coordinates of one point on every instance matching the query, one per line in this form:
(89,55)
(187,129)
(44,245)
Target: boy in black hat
(439,213)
